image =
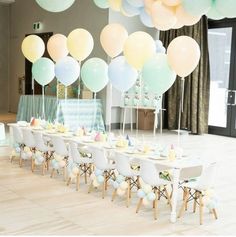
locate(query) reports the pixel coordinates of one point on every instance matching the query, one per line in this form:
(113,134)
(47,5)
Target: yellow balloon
(112,38)
(138,48)
(33,48)
(115,5)
(183,55)
(80,44)
(184,18)
(171,3)
(163,17)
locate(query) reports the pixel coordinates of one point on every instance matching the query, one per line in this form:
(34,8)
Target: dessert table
(71,112)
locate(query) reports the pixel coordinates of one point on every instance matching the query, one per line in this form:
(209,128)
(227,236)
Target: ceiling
(6,1)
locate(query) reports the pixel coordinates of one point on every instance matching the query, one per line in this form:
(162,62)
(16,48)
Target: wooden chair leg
(85,174)
(65,173)
(68,181)
(90,187)
(78,181)
(48,164)
(43,168)
(114,195)
(139,204)
(184,202)
(201,208)
(155,205)
(195,202)
(52,173)
(168,198)
(214,213)
(128,194)
(158,194)
(20,162)
(104,188)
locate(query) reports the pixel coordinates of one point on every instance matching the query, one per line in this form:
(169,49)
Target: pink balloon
(57,47)
(184,18)
(183,55)
(163,17)
(112,38)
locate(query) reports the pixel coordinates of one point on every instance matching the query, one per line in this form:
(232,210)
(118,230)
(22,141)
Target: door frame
(231,110)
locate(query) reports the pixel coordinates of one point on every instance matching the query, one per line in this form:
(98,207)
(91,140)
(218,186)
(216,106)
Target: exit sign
(37,26)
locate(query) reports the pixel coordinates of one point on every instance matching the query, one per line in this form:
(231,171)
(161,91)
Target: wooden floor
(31,204)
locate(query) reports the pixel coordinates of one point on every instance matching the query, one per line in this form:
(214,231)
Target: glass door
(222,107)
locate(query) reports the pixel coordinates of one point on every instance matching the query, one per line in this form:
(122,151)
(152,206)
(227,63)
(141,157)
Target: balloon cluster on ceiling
(141,56)
(171,14)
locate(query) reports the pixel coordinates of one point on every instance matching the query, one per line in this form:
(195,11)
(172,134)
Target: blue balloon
(98,172)
(129,9)
(100,179)
(120,179)
(159,47)
(121,74)
(67,70)
(136,3)
(146,18)
(141,193)
(151,196)
(115,184)
(53,162)
(102,3)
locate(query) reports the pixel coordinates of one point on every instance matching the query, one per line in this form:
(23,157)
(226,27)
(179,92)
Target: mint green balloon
(102,3)
(94,74)
(43,71)
(158,75)
(214,14)
(55,5)
(197,7)
(226,8)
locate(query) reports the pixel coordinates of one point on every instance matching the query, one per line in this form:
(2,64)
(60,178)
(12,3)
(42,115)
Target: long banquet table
(175,166)
(72,112)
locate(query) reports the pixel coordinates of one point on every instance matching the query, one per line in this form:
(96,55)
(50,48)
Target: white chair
(29,141)
(149,173)
(84,164)
(18,139)
(44,149)
(60,149)
(101,162)
(123,166)
(195,190)
(2,132)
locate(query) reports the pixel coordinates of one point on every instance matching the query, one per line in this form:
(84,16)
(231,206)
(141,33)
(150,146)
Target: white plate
(51,131)
(88,141)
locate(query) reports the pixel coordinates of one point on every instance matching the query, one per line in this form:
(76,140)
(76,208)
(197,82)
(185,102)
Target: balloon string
(181,107)
(43,105)
(57,116)
(66,111)
(33,95)
(94,116)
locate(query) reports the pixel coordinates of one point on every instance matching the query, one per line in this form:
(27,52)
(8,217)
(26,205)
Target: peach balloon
(163,17)
(138,48)
(148,5)
(178,25)
(112,38)
(80,44)
(183,55)
(57,47)
(171,3)
(115,5)
(185,18)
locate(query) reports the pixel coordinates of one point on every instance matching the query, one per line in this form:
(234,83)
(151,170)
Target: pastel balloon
(214,14)
(159,47)
(136,3)
(146,18)
(67,70)
(178,25)
(183,55)
(148,5)
(158,75)
(138,48)
(102,3)
(94,74)
(184,18)
(141,193)
(33,47)
(55,5)
(171,3)
(112,38)
(120,192)
(57,47)
(43,71)
(121,74)
(115,5)
(80,44)
(130,9)
(196,7)
(163,17)
(151,196)
(226,8)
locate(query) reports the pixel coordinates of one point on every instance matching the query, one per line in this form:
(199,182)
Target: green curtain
(197,85)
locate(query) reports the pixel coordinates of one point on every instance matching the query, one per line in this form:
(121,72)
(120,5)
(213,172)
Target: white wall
(4,57)
(83,14)
(132,24)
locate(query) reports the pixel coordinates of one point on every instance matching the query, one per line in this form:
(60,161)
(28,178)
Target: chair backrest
(28,138)
(59,146)
(190,172)
(149,173)
(17,135)
(39,142)
(207,178)
(123,164)
(100,158)
(74,154)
